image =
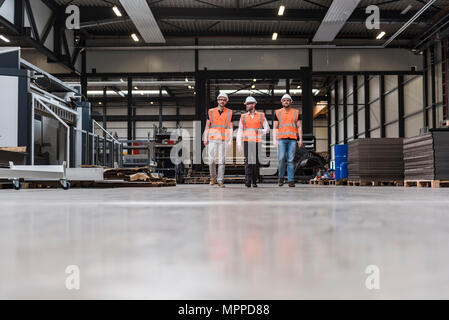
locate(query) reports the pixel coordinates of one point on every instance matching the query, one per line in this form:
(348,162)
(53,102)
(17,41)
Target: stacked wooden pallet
(427,159)
(376,160)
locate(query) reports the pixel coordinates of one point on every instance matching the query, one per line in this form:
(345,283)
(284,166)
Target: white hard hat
(250,100)
(223,95)
(287,96)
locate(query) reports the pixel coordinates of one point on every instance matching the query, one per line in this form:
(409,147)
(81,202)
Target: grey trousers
(217,155)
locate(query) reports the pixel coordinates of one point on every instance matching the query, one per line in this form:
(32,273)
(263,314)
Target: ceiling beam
(91,15)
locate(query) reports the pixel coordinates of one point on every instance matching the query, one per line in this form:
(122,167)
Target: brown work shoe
(281,182)
(221,185)
(212,182)
(292,184)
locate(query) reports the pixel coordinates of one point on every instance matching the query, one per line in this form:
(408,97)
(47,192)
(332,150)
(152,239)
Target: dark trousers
(252,163)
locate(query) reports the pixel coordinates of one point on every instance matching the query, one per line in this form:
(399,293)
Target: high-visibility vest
(252,126)
(220,124)
(287,123)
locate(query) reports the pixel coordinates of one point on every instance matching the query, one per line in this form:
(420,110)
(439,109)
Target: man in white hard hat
(218,134)
(287,129)
(253,126)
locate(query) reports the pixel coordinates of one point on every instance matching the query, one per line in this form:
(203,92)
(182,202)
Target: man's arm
(240,134)
(266,127)
(275,132)
(299,125)
(231,133)
(206,133)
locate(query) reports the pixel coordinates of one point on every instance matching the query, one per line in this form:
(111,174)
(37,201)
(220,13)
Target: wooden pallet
(93,184)
(375,183)
(206,180)
(328,182)
(427,183)
(323,182)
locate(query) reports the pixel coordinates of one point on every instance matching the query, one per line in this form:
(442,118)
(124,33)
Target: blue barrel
(341,157)
(344,174)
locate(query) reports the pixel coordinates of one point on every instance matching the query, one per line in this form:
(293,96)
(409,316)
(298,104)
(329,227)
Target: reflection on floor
(198,242)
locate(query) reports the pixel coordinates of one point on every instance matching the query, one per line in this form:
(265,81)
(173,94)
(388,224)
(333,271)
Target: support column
(382,106)
(105,124)
(130,109)
(355,95)
(425,89)
(367,107)
(433,81)
(345,110)
(401,106)
(307,102)
(336,126)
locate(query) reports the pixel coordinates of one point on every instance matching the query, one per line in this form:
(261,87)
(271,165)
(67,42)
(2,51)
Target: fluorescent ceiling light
(144,20)
(406,9)
(115,93)
(336,17)
(5,39)
(117,11)
(381,35)
(281,10)
(275,36)
(135,37)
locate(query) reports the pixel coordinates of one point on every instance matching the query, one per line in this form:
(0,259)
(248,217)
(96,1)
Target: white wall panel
(413,96)
(413,125)
(351,126)
(375,114)
(392,130)
(141,61)
(391,82)
(361,119)
(253,59)
(391,106)
(374,88)
(365,60)
(375,133)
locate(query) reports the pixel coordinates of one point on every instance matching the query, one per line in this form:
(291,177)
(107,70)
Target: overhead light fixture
(281,10)
(136,88)
(187,79)
(381,35)
(5,39)
(121,80)
(135,37)
(117,11)
(254,86)
(275,36)
(100,103)
(152,102)
(143,18)
(254,80)
(407,9)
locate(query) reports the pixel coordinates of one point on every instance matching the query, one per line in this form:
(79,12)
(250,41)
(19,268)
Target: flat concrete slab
(199,242)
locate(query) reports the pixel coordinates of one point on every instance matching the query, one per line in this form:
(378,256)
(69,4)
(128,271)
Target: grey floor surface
(197,242)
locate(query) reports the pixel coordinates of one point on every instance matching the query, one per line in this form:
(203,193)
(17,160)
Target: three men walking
(253,125)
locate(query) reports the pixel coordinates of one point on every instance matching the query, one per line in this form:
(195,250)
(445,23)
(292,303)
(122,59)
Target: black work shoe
(281,182)
(248,185)
(254,185)
(291,184)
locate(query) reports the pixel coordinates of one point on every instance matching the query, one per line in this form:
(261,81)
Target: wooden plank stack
(376,159)
(427,157)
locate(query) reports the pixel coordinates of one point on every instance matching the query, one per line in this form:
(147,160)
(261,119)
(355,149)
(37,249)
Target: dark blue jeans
(286,152)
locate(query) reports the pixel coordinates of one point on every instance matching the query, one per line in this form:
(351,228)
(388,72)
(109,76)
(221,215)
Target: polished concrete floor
(197,242)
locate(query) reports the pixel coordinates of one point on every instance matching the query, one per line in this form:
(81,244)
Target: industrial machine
(49,119)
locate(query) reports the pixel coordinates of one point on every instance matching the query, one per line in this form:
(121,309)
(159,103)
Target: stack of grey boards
(427,157)
(376,159)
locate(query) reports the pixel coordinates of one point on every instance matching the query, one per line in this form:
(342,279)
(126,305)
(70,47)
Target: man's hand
(206,142)
(300,144)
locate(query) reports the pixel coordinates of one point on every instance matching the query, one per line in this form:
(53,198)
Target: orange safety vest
(287,123)
(251,127)
(219,124)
